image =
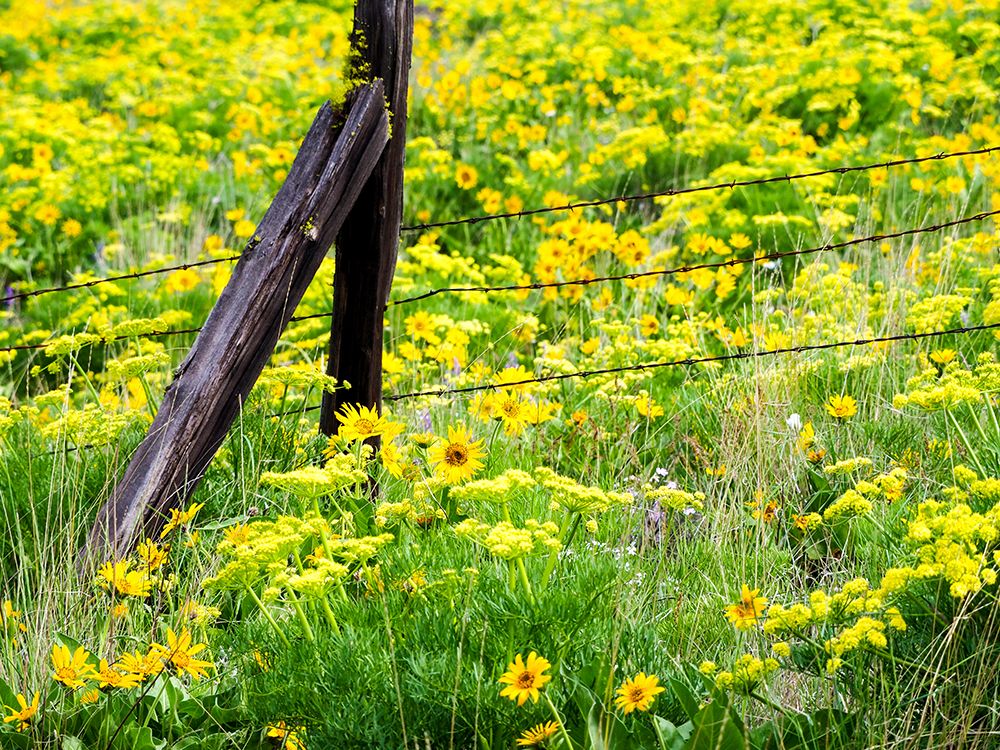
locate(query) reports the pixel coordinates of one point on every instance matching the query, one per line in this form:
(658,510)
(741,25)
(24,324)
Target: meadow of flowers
(792,551)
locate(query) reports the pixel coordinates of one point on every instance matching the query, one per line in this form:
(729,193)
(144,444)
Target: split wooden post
(368,242)
(335,161)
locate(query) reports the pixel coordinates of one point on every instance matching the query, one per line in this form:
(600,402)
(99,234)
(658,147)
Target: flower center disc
(456,455)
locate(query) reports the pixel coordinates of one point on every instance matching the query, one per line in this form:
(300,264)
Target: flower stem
(523,571)
(328,615)
(559,721)
(965,441)
(657,732)
(267,616)
(554,557)
(300,612)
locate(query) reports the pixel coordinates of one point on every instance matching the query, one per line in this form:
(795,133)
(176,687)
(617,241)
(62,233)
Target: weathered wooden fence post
(335,161)
(369,240)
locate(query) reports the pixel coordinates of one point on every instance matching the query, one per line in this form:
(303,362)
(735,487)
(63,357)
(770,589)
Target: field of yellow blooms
(793,551)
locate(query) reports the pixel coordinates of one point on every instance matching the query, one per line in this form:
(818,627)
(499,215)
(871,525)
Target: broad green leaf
(671,736)
(687,700)
(717,727)
(7,695)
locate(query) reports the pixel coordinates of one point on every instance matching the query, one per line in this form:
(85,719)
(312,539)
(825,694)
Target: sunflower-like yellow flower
(143,665)
(109,676)
(181,517)
(524,678)
(10,619)
(180,652)
(152,555)
(537,734)
(25,714)
(638,693)
(287,737)
(748,611)
(123,579)
(841,407)
(360,423)
(72,670)
(457,458)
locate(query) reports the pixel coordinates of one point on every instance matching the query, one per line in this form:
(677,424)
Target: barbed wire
(698,189)
(584,282)
(697,267)
(690,361)
(534,211)
(687,362)
(123,277)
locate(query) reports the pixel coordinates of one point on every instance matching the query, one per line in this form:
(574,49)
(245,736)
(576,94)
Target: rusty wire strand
(687,269)
(671,363)
(584,282)
(701,188)
(694,361)
(150,334)
(687,362)
(123,277)
(548,209)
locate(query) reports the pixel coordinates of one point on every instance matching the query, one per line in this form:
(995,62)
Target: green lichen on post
(357,67)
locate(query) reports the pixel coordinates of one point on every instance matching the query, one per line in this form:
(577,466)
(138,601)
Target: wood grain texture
(337,157)
(369,240)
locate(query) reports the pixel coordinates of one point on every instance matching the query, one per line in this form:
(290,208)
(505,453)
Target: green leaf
(141,738)
(686,698)
(7,695)
(594,728)
(672,736)
(717,727)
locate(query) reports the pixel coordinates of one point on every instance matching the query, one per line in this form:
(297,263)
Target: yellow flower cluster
(357,550)
(951,543)
(508,542)
(747,674)
(952,386)
(849,466)
(414,511)
(573,497)
(858,501)
(310,482)
(75,669)
(259,550)
(676,499)
(500,489)
(852,504)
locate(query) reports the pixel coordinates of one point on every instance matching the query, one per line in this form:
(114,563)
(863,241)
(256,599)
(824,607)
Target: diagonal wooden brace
(335,161)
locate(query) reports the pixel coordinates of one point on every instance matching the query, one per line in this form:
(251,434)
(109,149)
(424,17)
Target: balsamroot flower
(638,693)
(524,678)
